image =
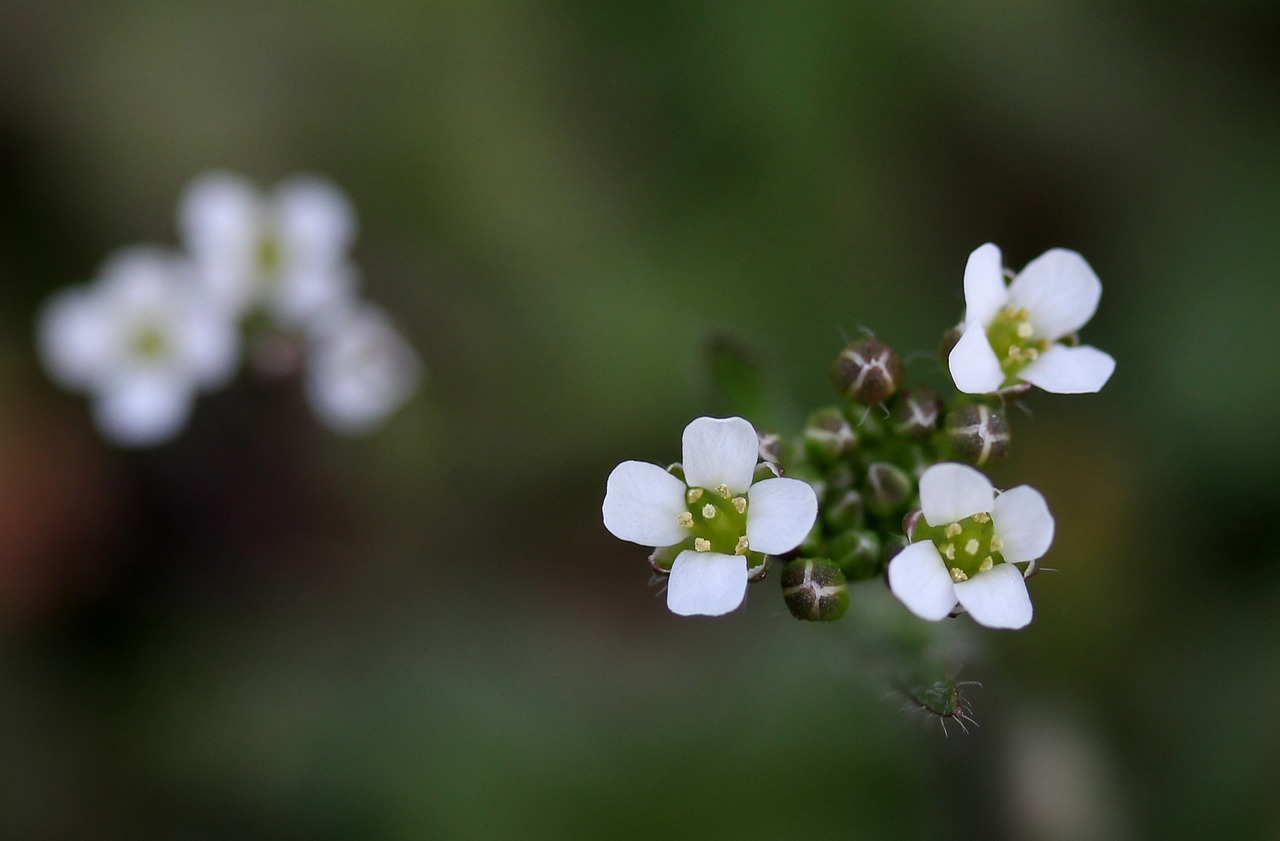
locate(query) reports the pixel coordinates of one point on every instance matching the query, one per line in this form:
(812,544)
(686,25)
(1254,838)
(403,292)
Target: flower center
(149,342)
(268,253)
(967,547)
(1012,337)
(716,520)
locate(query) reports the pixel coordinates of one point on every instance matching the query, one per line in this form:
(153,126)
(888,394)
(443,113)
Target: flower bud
(867,371)
(844,510)
(857,552)
(888,488)
(917,413)
(978,434)
(828,436)
(815,589)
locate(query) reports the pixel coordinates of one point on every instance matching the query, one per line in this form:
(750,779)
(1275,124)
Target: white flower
(359,370)
(966,548)
(285,253)
(141,341)
(715,516)
(1013,333)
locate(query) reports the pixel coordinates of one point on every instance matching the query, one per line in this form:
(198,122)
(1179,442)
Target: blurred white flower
(1014,333)
(967,547)
(141,340)
(716,511)
(285,253)
(359,370)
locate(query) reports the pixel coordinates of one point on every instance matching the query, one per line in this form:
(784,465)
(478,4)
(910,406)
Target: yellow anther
(742,547)
(949,551)
(953,530)
(986,564)
(1025,330)
(740,504)
(723,490)
(996,543)
(693,495)
(958,575)
(982,517)
(708,511)
(1031,354)
(685,519)
(971,548)
(701,544)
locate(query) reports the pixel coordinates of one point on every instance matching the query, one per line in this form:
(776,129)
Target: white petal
(219,216)
(706,583)
(1070,370)
(973,362)
(143,409)
(996,598)
(361,370)
(210,345)
(779,515)
(74,337)
(642,503)
(919,578)
(1059,291)
(720,451)
(984,289)
(1021,519)
(317,223)
(306,294)
(951,492)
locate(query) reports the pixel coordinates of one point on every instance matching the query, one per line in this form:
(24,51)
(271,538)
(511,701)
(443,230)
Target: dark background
(265,631)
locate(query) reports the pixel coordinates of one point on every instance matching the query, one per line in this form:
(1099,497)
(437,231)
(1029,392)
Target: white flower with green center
(359,370)
(716,523)
(966,548)
(141,340)
(285,253)
(1015,333)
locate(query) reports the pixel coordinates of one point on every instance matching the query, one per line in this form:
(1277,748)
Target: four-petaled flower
(716,522)
(966,548)
(141,341)
(1012,333)
(285,253)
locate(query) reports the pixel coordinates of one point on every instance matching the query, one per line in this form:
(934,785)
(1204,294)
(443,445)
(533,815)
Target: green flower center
(268,254)
(967,547)
(716,520)
(149,342)
(1013,338)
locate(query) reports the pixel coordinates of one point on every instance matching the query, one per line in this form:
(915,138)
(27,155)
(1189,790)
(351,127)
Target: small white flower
(141,340)
(359,370)
(285,253)
(966,548)
(715,515)
(1012,333)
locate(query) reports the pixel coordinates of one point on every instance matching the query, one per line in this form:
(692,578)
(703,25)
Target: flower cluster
(884,485)
(266,273)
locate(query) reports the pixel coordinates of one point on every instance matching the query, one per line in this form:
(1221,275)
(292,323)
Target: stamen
(701,544)
(740,504)
(996,543)
(982,517)
(742,547)
(685,519)
(971,548)
(958,575)
(949,551)
(1025,330)
(953,530)
(987,563)
(723,490)
(693,495)
(708,511)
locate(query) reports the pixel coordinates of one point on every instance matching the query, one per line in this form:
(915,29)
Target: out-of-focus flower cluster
(265,277)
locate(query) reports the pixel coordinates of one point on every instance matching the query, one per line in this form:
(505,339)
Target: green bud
(978,434)
(916,413)
(676,470)
(765,470)
(844,510)
(815,589)
(663,557)
(867,371)
(828,436)
(857,552)
(950,339)
(774,449)
(839,477)
(887,488)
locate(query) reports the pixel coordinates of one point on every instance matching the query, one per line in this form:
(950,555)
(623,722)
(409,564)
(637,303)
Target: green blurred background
(265,631)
